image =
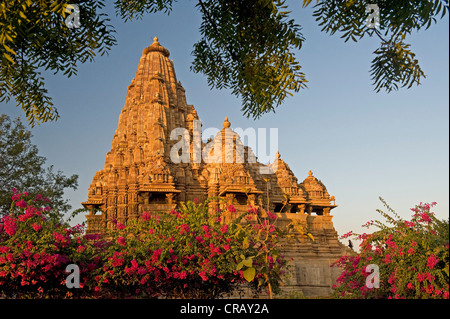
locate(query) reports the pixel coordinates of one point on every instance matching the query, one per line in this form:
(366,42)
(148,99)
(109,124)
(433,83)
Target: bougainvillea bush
(35,249)
(189,253)
(412,257)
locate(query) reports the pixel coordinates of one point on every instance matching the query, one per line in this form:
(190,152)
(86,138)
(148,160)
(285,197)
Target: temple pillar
(229,198)
(251,199)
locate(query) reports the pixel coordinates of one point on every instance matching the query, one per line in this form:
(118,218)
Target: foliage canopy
(22,167)
(247,46)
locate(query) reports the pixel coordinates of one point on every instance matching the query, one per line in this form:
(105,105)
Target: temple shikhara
(140,174)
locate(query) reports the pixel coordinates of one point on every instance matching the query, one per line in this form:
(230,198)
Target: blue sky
(361,144)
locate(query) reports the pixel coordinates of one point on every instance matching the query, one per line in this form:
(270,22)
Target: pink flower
(92,236)
(350,233)
(121,241)
(203,275)
(183,274)
(231,209)
(184,229)
(81,248)
(421,277)
(120,226)
(271,215)
(4,249)
(429,289)
(368,224)
(36,227)
(9,225)
(224,229)
(392,279)
(432,261)
(196,200)
(200,239)
(27,215)
(425,276)
(409,224)
(21,203)
(145,216)
(156,255)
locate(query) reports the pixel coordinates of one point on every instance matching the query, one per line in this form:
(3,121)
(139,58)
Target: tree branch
(379,35)
(214,26)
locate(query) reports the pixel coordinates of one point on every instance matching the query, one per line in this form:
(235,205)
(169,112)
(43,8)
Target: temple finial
(226,123)
(156,47)
(310,173)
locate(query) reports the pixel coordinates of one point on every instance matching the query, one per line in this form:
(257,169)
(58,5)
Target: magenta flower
(231,209)
(432,261)
(21,203)
(121,241)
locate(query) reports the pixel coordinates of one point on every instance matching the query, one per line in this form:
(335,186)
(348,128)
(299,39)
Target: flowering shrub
(186,254)
(189,253)
(412,256)
(35,250)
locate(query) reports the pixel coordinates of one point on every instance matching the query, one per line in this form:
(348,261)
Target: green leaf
(8,57)
(248,262)
(249,274)
(245,243)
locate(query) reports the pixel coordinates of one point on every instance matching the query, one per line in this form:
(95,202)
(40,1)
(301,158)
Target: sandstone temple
(140,174)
